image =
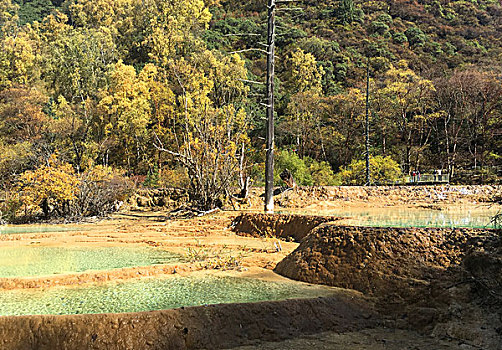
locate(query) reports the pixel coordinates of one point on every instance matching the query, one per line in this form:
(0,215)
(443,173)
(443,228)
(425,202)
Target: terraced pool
(152,294)
(42,261)
(9,229)
(411,217)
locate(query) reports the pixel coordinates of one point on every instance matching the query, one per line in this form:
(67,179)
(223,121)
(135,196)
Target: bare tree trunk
(269,163)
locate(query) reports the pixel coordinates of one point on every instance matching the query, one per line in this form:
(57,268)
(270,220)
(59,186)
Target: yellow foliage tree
(303,110)
(403,100)
(305,74)
(125,111)
(210,126)
(17,59)
(51,186)
(8,16)
(173,27)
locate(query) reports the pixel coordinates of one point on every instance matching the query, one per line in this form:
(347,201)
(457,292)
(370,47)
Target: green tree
(346,11)
(384,170)
(290,160)
(34,10)
(416,37)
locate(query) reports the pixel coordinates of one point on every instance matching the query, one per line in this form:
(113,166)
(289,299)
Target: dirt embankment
(375,260)
(286,226)
(438,281)
(205,327)
(383,195)
(173,198)
(410,194)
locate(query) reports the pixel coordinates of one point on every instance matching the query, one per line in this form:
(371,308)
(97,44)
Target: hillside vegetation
(161,91)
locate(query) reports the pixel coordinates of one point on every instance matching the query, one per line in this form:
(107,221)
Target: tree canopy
(149,86)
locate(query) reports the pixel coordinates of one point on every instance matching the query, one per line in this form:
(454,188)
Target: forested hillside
(167,91)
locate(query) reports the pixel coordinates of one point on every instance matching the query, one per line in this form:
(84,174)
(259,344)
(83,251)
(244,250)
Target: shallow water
(8,229)
(152,294)
(42,261)
(411,217)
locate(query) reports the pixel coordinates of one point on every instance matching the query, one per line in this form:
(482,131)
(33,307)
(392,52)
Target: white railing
(427,178)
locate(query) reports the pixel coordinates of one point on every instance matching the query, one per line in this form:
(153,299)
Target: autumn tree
(124,114)
(469,105)
(305,86)
(50,188)
(384,170)
(403,98)
(17,49)
(210,125)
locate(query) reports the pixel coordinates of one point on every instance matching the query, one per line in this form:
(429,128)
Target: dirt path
(368,339)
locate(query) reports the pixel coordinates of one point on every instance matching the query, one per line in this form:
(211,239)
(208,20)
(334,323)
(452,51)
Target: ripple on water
(43,261)
(152,294)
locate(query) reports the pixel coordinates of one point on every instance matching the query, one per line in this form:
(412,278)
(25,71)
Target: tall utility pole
(368,179)
(269,162)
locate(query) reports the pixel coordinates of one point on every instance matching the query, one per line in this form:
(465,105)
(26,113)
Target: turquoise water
(411,217)
(42,261)
(7,229)
(151,294)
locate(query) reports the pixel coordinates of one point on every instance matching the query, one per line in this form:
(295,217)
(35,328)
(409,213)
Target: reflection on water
(41,261)
(152,294)
(410,217)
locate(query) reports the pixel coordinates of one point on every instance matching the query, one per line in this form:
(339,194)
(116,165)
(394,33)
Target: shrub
(290,160)
(8,210)
(385,18)
(383,170)
(379,27)
(399,38)
(321,172)
(306,172)
(176,177)
(416,37)
(101,189)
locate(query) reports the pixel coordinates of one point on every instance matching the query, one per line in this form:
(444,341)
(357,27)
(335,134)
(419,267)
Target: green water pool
(42,261)
(152,294)
(411,217)
(8,229)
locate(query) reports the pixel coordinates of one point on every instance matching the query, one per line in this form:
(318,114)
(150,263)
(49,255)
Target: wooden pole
(269,162)
(368,178)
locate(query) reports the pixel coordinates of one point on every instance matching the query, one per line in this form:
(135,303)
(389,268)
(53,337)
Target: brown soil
(376,260)
(430,279)
(208,327)
(368,339)
(438,196)
(286,226)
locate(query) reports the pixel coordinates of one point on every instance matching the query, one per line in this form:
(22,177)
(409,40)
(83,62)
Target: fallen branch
(204,213)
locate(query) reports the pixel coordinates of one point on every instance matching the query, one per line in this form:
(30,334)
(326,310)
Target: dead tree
(288,179)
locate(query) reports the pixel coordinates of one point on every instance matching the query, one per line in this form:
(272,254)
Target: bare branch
(251,81)
(243,34)
(247,50)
